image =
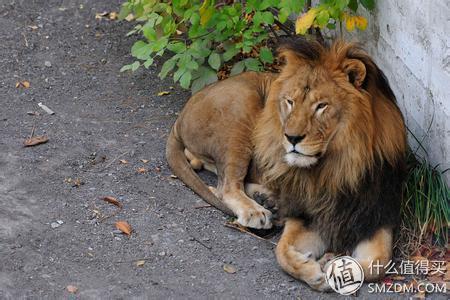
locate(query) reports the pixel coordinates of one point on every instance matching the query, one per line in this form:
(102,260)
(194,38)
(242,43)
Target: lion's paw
(319,283)
(255,217)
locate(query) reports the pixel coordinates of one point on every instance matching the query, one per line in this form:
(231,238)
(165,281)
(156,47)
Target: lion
(324,138)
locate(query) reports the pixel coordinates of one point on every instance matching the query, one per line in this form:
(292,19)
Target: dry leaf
(145,161)
(113,201)
(229,268)
(129,18)
(123,161)
(141,170)
(173,176)
(23,84)
(35,140)
(99,16)
(163,93)
(140,263)
(113,15)
(72,289)
(33,27)
(124,227)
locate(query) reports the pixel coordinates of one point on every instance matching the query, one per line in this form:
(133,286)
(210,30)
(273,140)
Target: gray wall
(409,40)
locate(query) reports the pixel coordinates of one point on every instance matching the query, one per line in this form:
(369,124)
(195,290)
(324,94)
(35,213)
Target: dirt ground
(51,230)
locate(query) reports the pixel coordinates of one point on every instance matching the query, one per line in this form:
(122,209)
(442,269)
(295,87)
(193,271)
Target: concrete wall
(410,41)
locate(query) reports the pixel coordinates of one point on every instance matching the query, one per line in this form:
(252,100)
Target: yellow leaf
(206,11)
(350,23)
(305,22)
(163,93)
(361,23)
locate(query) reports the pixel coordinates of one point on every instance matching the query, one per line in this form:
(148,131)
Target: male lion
(328,142)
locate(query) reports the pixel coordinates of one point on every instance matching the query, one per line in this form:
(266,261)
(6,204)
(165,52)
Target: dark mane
(314,50)
(311,50)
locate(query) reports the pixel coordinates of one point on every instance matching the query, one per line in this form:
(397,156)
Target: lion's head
(329,117)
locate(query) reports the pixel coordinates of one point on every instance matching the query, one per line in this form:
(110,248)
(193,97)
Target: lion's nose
(294,139)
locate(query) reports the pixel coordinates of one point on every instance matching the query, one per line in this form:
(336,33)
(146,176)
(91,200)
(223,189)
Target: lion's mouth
(317,155)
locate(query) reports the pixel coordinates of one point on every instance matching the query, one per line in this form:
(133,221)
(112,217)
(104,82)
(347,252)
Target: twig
(201,243)
(112,161)
(202,206)
(26,41)
(132,260)
(244,230)
(33,129)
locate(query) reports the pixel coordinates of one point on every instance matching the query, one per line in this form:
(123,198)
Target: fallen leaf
(113,201)
(145,161)
(23,84)
(141,170)
(123,161)
(101,15)
(229,269)
(33,27)
(72,289)
(35,140)
(124,227)
(129,18)
(173,176)
(140,263)
(113,15)
(163,93)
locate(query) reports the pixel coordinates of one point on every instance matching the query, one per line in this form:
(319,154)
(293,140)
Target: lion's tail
(181,168)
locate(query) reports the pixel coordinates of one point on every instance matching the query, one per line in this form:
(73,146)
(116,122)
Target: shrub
(199,37)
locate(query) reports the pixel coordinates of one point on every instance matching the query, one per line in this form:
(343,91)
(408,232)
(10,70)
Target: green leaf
(178,73)
(266,55)
(149,33)
(160,44)
(185,80)
(176,47)
(253,64)
(237,68)
(369,4)
(205,76)
(125,68)
(214,61)
(230,53)
(135,66)
(267,17)
(167,67)
(322,18)
(341,4)
(148,62)
(353,5)
(141,50)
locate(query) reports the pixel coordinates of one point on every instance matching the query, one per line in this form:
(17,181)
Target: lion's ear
(355,70)
(289,57)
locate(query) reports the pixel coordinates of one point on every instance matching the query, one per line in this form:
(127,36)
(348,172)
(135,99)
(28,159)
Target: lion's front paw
(255,217)
(319,283)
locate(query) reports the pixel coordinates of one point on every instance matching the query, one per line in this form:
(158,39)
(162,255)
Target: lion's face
(310,111)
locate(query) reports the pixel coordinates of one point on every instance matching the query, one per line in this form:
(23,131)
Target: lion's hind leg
(297,252)
(198,164)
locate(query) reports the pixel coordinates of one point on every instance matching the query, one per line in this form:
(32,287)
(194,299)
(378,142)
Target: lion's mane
(356,187)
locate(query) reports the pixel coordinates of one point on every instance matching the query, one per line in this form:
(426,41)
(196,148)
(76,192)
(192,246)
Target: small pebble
(162,253)
(47,63)
(55,225)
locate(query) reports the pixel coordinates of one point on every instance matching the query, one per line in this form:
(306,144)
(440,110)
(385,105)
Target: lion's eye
(321,105)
